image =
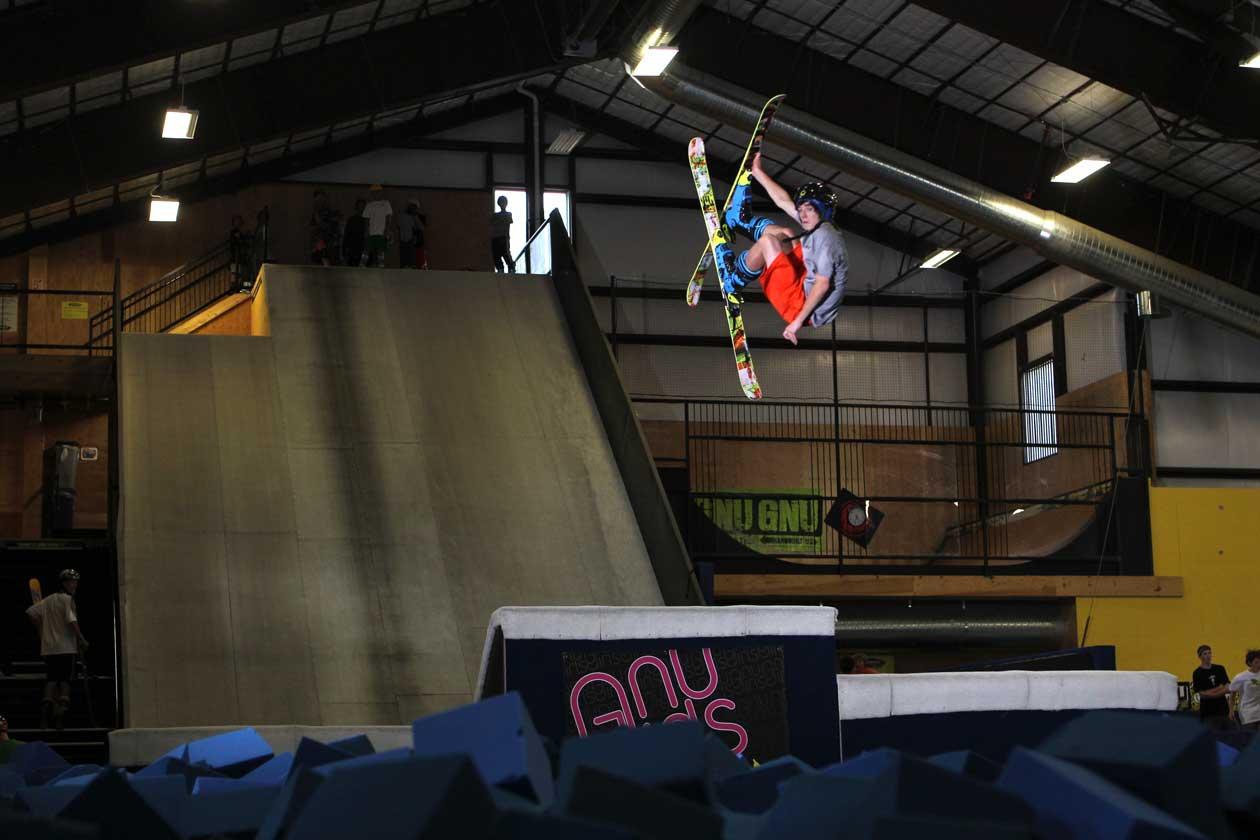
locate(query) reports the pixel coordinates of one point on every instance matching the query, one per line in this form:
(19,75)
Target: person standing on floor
(379,214)
(1246,687)
(354,240)
(501,237)
(60,640)
(1211,682)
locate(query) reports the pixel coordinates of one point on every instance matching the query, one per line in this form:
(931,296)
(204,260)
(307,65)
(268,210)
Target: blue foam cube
(499,736)
(669,756)
(419,797)
(273,771)
(1065,795)
(756,791)
(230,752)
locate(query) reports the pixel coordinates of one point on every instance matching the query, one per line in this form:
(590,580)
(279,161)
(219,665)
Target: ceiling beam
(998,158)
(479,47)
(1127,52)
(1228,43)
(98,38)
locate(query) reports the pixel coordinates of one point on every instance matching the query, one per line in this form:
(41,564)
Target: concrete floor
(316,525)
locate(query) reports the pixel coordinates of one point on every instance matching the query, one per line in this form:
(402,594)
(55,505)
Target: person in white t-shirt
(380,218)
(1246,688)
(60,639)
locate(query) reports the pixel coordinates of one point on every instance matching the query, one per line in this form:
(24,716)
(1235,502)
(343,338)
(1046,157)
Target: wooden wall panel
(22,443)
(457,237)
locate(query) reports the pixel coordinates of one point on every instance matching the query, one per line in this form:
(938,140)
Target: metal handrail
(166,279)
(176,284)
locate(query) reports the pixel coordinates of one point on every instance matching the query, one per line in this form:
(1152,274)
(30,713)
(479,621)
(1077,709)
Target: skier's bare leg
(773,241)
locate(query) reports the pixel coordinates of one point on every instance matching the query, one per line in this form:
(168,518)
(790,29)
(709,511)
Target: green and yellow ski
(744,176)
(719,234)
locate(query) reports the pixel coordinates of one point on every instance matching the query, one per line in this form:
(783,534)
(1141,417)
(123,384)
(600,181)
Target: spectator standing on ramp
(325,231)
(379,214)
(239,248)
(1211,682)
(60,639)
(411,237)
(354,240)
(501,237)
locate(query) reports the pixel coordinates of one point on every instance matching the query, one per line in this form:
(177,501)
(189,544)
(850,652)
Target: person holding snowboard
(803,276)
(60,640)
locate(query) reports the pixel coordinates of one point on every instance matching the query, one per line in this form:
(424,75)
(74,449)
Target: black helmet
(816,193)
(69,574)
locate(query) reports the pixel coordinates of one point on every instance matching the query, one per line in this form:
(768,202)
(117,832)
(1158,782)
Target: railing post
(978,413)
(688,530)
(835,424)
(117,306)
(612,297)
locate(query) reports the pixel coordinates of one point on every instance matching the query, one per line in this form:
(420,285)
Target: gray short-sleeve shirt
(824,255)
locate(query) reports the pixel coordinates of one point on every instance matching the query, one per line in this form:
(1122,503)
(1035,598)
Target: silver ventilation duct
(952,624)
(1058,238)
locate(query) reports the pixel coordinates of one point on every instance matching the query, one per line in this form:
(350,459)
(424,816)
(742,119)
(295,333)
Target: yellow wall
(1210,536)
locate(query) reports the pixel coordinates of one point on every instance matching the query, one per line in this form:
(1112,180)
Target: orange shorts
(783,281)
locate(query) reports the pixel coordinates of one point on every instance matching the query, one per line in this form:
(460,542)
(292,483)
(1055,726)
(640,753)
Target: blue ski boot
(728,274)
(733,271)
(738,216)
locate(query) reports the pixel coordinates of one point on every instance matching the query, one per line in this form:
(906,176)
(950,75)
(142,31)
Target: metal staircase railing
(183,292)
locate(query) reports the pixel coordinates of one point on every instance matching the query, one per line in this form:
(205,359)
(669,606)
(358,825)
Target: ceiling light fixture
(939,258)
(180,124)
(163,208)
(566,141)
(654,61)
(1080,170)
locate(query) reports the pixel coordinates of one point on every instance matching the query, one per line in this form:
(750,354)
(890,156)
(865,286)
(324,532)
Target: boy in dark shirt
(1212,682)
(354,239)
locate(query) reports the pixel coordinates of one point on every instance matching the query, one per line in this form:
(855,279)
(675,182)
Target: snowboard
(743,176)
(719,234)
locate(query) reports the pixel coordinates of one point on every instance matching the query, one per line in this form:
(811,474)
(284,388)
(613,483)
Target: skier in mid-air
(802,275)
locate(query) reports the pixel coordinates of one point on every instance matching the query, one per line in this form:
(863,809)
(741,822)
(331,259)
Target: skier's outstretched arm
(821,286)
(777,194)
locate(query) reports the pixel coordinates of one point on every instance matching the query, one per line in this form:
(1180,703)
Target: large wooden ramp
(317,524)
